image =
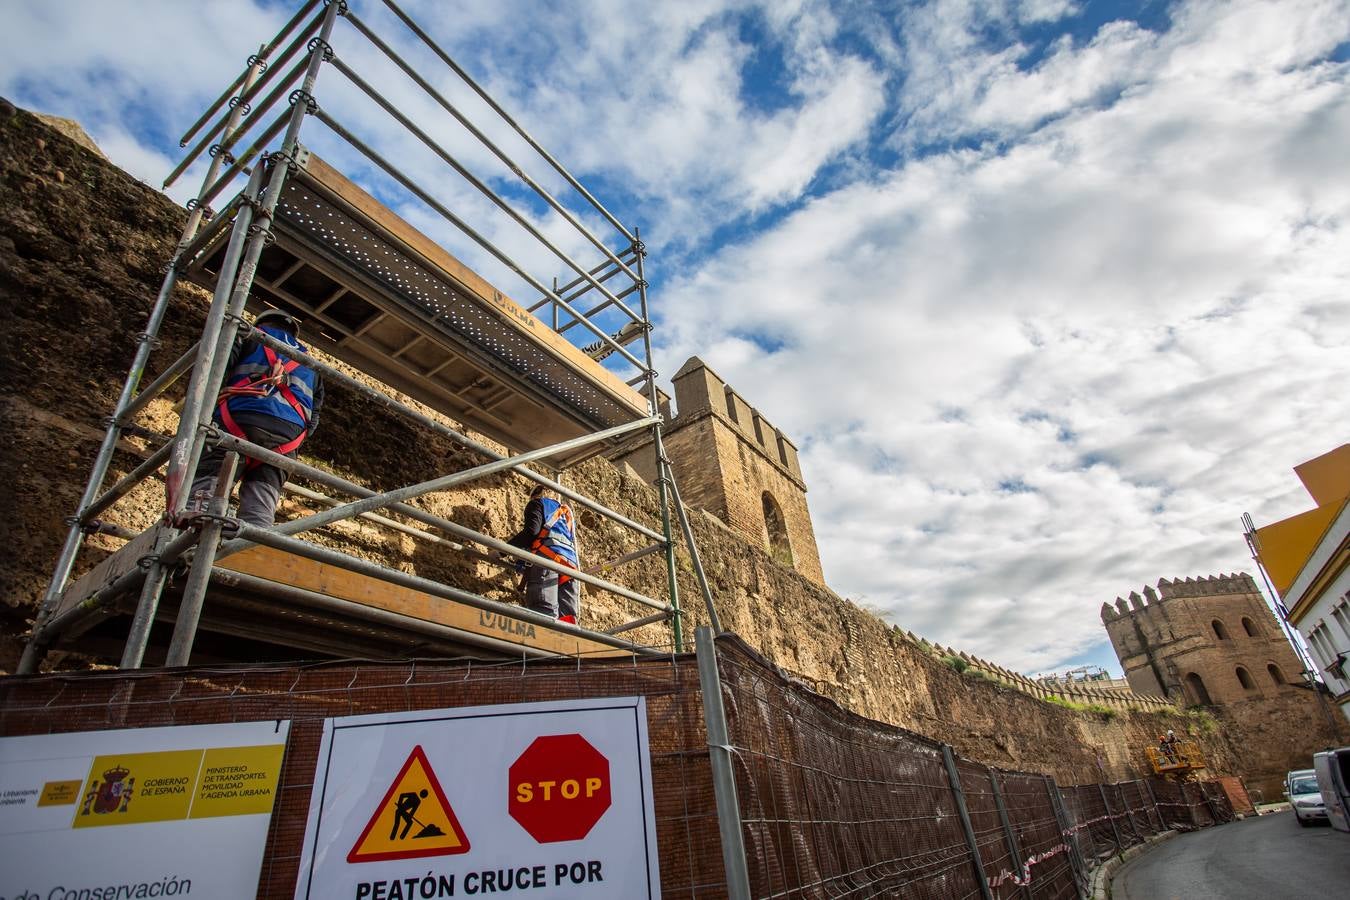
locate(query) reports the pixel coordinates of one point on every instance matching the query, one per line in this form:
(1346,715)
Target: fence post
(1013,847)
(1068,837)
(1157,810)
(1115,829)
(1128,812)
(954,778)
(719,755)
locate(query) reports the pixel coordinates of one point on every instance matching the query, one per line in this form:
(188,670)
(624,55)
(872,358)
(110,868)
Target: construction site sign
(138,812)
(553,799)
(414,798)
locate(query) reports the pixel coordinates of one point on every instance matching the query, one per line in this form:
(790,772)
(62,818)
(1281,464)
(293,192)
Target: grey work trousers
(260,490)
(544,595)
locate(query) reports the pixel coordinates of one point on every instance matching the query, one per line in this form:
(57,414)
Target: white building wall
(1326,625)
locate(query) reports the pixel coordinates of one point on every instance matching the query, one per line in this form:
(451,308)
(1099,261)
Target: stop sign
(559,788)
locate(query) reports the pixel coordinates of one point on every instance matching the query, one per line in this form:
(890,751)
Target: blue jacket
(251,362)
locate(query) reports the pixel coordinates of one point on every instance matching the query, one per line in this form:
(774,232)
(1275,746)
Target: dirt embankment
(82,251)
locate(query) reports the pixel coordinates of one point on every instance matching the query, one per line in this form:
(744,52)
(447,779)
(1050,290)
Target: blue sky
(1047,292)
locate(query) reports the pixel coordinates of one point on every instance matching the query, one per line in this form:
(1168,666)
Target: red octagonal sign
(559,788)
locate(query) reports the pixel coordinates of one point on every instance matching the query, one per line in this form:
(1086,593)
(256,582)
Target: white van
(1301,787)
(1333,778)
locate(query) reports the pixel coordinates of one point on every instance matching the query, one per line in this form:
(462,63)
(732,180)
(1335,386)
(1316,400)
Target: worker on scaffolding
(550,532)
(270,400)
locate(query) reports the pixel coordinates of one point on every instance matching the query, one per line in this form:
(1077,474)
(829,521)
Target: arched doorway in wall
(1245,679)
(775,527)
(1275,674)
(1220,631)
(1196,691)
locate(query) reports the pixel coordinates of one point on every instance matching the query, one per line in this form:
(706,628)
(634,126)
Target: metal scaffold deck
(379,295)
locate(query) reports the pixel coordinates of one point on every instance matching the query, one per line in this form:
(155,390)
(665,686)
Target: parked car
(1304,794)
(1333,777)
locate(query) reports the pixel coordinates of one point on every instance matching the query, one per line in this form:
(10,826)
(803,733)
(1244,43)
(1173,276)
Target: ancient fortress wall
(82,249)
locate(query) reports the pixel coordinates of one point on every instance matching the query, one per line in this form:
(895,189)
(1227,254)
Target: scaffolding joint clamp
(268,237)
(341,5)
(311,105)
(256,60)
(238,103)
(217,150)
(640,249)
(320,42)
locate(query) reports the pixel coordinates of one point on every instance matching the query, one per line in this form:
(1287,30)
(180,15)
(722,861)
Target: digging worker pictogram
(269,400)
(550,532)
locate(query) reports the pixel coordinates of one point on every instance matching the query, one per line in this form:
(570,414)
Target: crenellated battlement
(699,391)
(1170,589)
(1070,692)
(1237,583)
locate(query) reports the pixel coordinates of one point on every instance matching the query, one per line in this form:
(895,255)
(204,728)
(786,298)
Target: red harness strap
(544,551)
(276,379)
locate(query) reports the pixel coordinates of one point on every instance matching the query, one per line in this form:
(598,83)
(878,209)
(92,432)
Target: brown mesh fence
(830,804)
(686,814)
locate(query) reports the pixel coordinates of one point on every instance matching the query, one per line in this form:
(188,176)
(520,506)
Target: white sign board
(148,812)
(543,799)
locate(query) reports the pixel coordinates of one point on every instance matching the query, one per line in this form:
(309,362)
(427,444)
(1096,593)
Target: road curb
(1101,877)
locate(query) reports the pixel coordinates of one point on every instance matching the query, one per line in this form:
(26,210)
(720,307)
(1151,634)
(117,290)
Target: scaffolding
(379,295)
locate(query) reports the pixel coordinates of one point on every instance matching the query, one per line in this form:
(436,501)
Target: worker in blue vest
(550,532)
(270,400)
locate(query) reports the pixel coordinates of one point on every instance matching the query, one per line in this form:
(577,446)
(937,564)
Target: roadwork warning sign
(413,820)
(549,799)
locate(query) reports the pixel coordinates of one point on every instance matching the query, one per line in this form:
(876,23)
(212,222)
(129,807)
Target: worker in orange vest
(551,532)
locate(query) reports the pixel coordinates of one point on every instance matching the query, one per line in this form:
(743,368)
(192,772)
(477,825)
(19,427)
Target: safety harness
(561,536)
(264,384)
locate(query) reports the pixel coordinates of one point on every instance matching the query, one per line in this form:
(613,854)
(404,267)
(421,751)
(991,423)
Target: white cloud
(1049,361)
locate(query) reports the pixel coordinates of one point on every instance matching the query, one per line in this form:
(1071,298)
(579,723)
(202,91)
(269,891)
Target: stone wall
(727,459)
(81,256)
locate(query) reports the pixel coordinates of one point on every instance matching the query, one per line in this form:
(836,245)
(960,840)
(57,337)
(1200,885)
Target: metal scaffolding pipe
(486,191)
(233,137)
(638,623)
(626,558)
(463,226)
(246,266)
(127,482)
(158,386)
(269,538)
(515,168)
(594,270)
(194,592)
(241,162)
(599,307)
(261,55)
(683,516)
(398,495)
(182,458)
(330,372)
(487,98)
(294,467)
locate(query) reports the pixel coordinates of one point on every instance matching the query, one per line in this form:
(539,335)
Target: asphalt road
(1264,858)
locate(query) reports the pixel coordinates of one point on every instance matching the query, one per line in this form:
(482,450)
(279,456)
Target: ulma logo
(112,794)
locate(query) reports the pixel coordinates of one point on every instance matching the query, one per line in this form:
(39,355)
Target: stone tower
(729,460)
(1209,641)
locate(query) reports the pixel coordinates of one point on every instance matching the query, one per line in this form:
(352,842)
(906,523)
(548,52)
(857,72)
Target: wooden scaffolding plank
(296,571)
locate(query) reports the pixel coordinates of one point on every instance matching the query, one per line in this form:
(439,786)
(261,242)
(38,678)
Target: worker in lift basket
(550,532)
(270,400)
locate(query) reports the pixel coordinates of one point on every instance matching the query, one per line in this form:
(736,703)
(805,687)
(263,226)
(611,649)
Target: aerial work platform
(379,295)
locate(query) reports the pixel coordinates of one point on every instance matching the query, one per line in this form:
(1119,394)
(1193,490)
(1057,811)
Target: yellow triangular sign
(414,819)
